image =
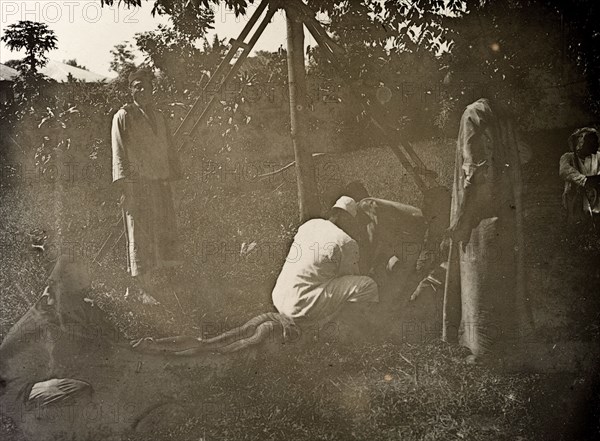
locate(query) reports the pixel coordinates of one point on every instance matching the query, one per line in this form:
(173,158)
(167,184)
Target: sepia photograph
(299,220)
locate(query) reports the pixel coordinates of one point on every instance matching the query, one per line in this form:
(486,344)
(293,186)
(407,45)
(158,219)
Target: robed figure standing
(144,165)
(485,300)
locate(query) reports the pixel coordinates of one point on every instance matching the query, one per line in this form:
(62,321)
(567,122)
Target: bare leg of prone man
(251,333)
(260,334)
(167,344)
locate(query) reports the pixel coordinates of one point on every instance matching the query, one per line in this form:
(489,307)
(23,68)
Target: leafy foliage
(73,62)
(13,63)
(516,42)
(526,53)
(189,17)
(409,24)
(123,62)
(123,57)
(35,38)
(178,57)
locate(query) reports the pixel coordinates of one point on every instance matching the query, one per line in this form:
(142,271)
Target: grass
(328,391)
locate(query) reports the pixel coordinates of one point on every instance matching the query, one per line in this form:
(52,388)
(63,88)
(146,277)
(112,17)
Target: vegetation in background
(499,36)
(35,38)
(73,62)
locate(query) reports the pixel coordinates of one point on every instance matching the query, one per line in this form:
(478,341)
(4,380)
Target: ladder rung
(238,44)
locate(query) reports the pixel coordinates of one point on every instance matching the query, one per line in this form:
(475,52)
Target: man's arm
(121,169)
(473,167)
(568,172)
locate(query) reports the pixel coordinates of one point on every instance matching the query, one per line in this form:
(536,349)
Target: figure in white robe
(485,300)
(144,165)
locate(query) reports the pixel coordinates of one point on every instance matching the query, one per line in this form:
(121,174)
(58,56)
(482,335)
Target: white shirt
(320,253)
(138,150)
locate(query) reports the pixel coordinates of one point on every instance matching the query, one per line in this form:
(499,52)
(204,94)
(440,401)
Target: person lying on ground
(580,170)
(319,276)
(66,372)
(67,319)
(388,227)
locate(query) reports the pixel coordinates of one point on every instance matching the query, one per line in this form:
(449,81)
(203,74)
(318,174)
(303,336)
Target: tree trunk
(308,199)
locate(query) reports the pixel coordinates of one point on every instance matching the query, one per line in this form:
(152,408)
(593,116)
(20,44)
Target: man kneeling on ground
(321,271)
(320,275)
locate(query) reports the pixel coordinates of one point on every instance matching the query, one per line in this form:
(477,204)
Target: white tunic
(320,272)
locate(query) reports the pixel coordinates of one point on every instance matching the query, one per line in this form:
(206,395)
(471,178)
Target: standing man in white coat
(144,164)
